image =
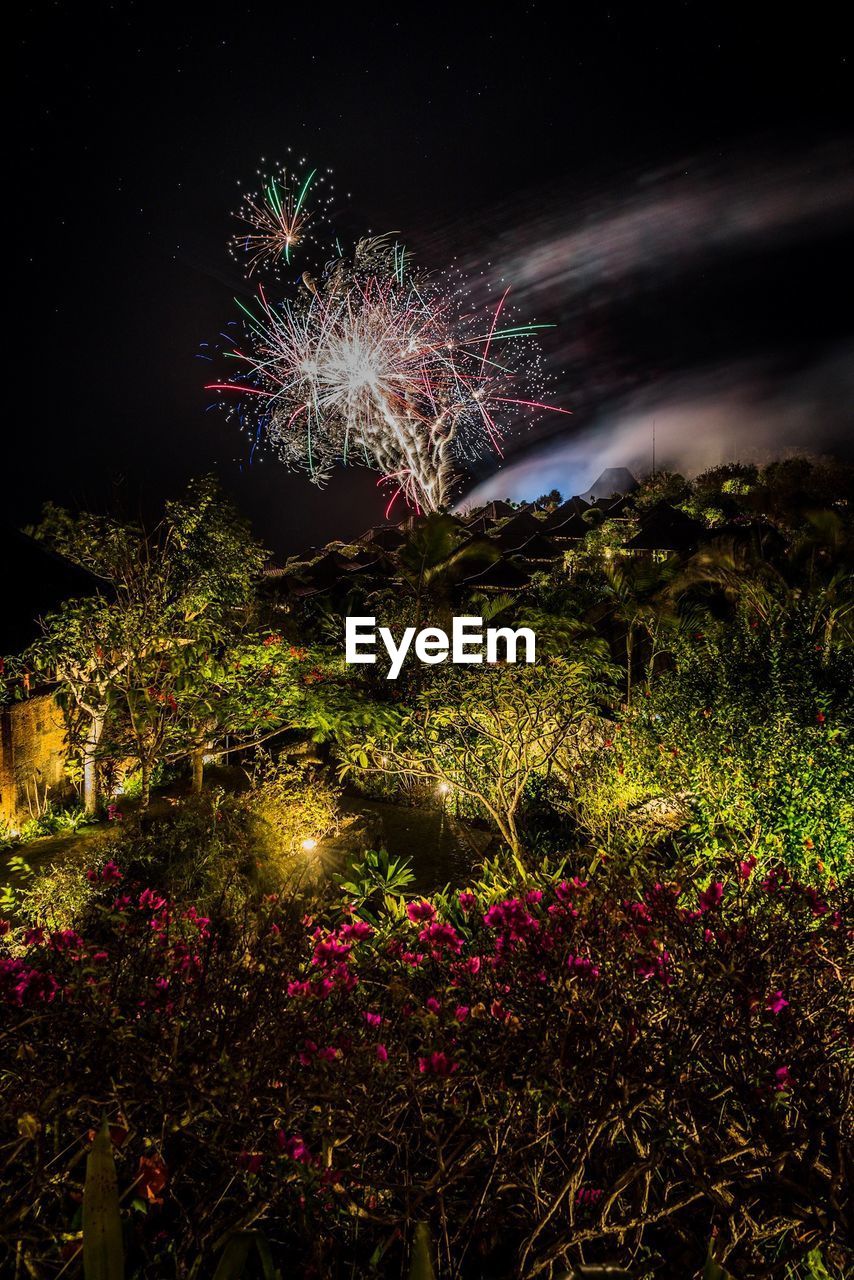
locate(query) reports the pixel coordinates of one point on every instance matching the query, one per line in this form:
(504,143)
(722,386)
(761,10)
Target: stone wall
(32,756)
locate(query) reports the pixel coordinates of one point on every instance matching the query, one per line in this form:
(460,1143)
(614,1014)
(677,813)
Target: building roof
(500,576)
(613,480)
(666,528)
(575,527)
(35,581)
(387,536)
(572,507)
(518,529)
(538,547)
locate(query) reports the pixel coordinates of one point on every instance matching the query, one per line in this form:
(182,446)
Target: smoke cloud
(710,300)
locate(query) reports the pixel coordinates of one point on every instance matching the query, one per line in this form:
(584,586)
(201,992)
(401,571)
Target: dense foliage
(542,1070)
(624,1043)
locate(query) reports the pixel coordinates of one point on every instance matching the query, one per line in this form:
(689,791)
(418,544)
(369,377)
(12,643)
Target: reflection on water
(431,839)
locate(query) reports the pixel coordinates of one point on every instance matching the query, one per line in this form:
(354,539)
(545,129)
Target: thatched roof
(500,576)
(613,480)
(666,528)
(574,528)
(538,547)
(572,507)
(387,536)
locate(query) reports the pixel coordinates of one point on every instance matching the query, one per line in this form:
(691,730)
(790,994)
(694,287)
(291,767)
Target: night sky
(669,183)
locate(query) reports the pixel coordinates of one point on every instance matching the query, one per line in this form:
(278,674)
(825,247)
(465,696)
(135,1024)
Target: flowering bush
(560,1066)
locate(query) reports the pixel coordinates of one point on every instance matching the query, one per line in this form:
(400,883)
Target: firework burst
(371,363)
(288,210)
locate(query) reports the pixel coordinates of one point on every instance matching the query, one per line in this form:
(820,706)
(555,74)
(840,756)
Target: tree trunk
(145,789)
(90,765)
(198,766)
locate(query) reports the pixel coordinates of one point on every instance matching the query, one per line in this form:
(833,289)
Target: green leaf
(421,1265)
(234,1256)
(103,1252)
(714,1271)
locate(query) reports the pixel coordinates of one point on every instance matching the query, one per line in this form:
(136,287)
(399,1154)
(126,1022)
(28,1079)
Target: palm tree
(437,554)
(637,598)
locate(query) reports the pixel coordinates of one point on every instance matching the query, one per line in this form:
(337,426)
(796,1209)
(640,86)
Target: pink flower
(711,897)
(776,1002)
(656,966)
(201,922)
(421,912)
(110,872)
(745,869)
(533,896)
(783,1079)
(440,938)
(151,901)
(382,1053)
(294,1147)
(34,937)
(818,906)
(373,1019)
(437,1064)
(513,917)
(432,1005)
(582,967)
(358,930)
(467,900)
(330,949)
(251,1161)
(461,1012)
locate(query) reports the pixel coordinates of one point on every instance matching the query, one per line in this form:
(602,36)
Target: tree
(435,556)
(485,735)
(635,596)
(174,597)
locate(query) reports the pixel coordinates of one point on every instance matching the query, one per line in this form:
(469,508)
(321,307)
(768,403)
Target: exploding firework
(371,363)
(290,206)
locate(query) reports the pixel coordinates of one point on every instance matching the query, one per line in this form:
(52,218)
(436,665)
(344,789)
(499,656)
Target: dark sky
(460,125)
